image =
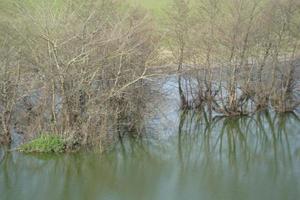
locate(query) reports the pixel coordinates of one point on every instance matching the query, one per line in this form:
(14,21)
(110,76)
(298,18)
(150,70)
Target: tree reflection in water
(253,157)
(238,141)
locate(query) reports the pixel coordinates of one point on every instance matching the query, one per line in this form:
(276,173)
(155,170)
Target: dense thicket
(78,69)
(245,53)
(75,69)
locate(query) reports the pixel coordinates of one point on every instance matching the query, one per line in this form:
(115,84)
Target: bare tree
(83,71)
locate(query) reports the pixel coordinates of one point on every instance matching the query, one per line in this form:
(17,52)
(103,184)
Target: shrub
(44,144)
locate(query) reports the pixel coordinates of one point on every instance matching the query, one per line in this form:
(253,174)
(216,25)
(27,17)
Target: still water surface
(182,156)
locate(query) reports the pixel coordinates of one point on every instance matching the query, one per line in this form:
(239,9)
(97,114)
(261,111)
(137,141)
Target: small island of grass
(44,144)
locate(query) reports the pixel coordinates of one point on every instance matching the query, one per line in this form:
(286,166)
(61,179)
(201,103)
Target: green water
(196,157)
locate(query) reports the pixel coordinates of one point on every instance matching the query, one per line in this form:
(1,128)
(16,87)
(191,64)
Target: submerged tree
(179,38)
(245,53)
(82,68)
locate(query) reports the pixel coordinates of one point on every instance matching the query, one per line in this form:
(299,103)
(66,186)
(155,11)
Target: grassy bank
(157,7)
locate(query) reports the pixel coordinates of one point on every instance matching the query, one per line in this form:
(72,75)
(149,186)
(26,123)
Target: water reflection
(238,142)
(207,157)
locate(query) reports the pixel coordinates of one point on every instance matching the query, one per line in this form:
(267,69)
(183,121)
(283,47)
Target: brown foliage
(82,67)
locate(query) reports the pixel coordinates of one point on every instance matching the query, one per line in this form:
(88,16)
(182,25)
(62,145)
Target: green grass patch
(44,144)
(157,6)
